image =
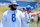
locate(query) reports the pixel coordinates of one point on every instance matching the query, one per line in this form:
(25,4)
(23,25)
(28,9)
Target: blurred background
(22,3)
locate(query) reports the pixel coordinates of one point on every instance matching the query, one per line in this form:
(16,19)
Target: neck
(12,10)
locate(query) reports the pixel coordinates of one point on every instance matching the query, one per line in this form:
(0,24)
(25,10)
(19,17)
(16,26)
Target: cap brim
(15,4)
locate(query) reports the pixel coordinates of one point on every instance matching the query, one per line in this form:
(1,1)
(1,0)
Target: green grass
(34,25)
(2,10)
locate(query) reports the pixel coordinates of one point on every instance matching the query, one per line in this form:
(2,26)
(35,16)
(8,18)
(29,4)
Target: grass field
(4,8)
(35,25)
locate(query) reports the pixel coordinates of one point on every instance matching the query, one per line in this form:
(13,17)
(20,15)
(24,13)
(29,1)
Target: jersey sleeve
(3,20)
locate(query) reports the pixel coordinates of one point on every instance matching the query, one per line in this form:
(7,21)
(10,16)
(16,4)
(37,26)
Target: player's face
(24,9)
(13,7)
(29,10)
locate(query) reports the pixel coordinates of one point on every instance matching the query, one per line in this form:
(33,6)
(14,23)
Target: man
(24,9)
(12,17)
(26,19)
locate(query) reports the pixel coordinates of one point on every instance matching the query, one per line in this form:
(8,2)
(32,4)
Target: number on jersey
(13,18)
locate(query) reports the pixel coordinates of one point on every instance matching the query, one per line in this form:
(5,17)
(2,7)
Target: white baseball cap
(13,2)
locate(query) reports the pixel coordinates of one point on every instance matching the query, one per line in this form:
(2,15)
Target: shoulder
(19,12)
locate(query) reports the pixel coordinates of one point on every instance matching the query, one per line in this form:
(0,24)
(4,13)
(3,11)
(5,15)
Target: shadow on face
(13,7)
(29,10)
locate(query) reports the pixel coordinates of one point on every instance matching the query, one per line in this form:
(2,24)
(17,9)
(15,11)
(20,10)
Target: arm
(35,13)
(3,21)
